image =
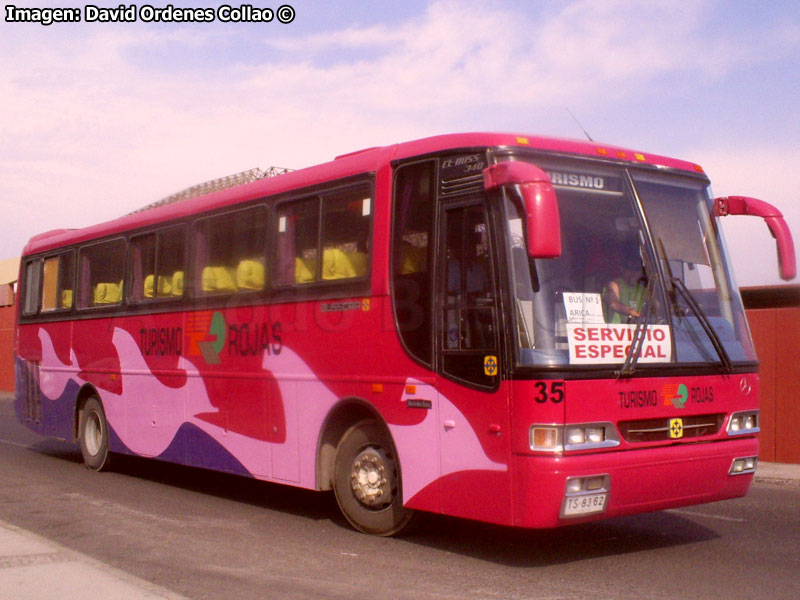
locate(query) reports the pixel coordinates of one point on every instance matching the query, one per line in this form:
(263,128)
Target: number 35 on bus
(514,329)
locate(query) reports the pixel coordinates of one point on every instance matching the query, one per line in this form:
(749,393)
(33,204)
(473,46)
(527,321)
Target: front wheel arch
(340,418)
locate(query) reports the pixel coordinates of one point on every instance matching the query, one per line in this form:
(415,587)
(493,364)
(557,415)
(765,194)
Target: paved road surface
(206,535)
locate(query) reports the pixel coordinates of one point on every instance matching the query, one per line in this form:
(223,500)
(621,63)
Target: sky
(100,118)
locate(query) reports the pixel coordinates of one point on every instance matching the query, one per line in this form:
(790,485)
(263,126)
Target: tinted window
(411,257)
(58,282)
(33,271)
(469,312)
(230,253)
(101,274)
(324,238)
(158,265)
(298,241)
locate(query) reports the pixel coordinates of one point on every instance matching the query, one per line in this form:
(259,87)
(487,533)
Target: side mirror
(542,220)
(742,205)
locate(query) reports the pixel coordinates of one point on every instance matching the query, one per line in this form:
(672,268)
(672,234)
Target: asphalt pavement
(34,568)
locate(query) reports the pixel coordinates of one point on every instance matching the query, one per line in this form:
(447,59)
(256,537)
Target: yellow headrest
(336,265)
(177,283)
(359,261)
(66,298)
(304,269)
(108,293)
(218,279)
(148,286)
(250,275)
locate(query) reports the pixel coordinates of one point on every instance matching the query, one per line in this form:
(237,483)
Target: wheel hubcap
(369,478)
(94,433)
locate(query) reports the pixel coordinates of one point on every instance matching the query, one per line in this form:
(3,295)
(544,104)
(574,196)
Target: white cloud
(461,55)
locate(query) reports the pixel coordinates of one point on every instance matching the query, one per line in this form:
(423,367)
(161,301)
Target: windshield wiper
(679,286)
(713,336)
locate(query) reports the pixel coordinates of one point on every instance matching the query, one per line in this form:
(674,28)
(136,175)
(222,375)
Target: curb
(35,568)
(778,474)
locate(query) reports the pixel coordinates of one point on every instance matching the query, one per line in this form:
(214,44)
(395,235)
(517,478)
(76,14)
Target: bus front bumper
(559,490)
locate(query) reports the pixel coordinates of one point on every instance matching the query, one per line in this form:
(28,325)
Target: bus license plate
(585,505)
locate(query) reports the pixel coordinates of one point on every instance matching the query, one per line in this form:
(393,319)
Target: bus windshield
(642,261)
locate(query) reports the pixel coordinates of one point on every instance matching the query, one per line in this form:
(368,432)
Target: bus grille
(657,430)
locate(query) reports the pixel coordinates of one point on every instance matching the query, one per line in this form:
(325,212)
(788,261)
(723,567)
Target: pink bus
(515,329)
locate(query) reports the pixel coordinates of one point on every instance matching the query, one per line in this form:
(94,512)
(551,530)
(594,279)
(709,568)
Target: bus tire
(93,433)
(366,481)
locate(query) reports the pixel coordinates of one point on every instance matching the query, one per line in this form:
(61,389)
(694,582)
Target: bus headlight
(744,423)
(595,435)
(546,438)
(575,436)
(744,466)
(590,436)
(579,436)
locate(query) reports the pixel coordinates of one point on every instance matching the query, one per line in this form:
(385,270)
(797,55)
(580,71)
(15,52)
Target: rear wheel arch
(94,435)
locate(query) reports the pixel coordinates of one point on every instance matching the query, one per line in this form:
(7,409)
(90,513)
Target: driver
(623,295)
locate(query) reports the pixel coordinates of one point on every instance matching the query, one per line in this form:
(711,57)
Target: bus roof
(354,163)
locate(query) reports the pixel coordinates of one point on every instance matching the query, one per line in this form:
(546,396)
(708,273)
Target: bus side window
(297,239)
(143,263)
(324,238)
(57,282)
(32,289)
(101,273)
(170,263)
(230,254)
(345,235)
(157,264)
(411,258)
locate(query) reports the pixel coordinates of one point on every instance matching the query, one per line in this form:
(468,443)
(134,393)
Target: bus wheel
(94,435)
(366,481)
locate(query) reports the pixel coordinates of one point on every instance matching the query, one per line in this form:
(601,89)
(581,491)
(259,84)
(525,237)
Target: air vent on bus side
(461,186)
